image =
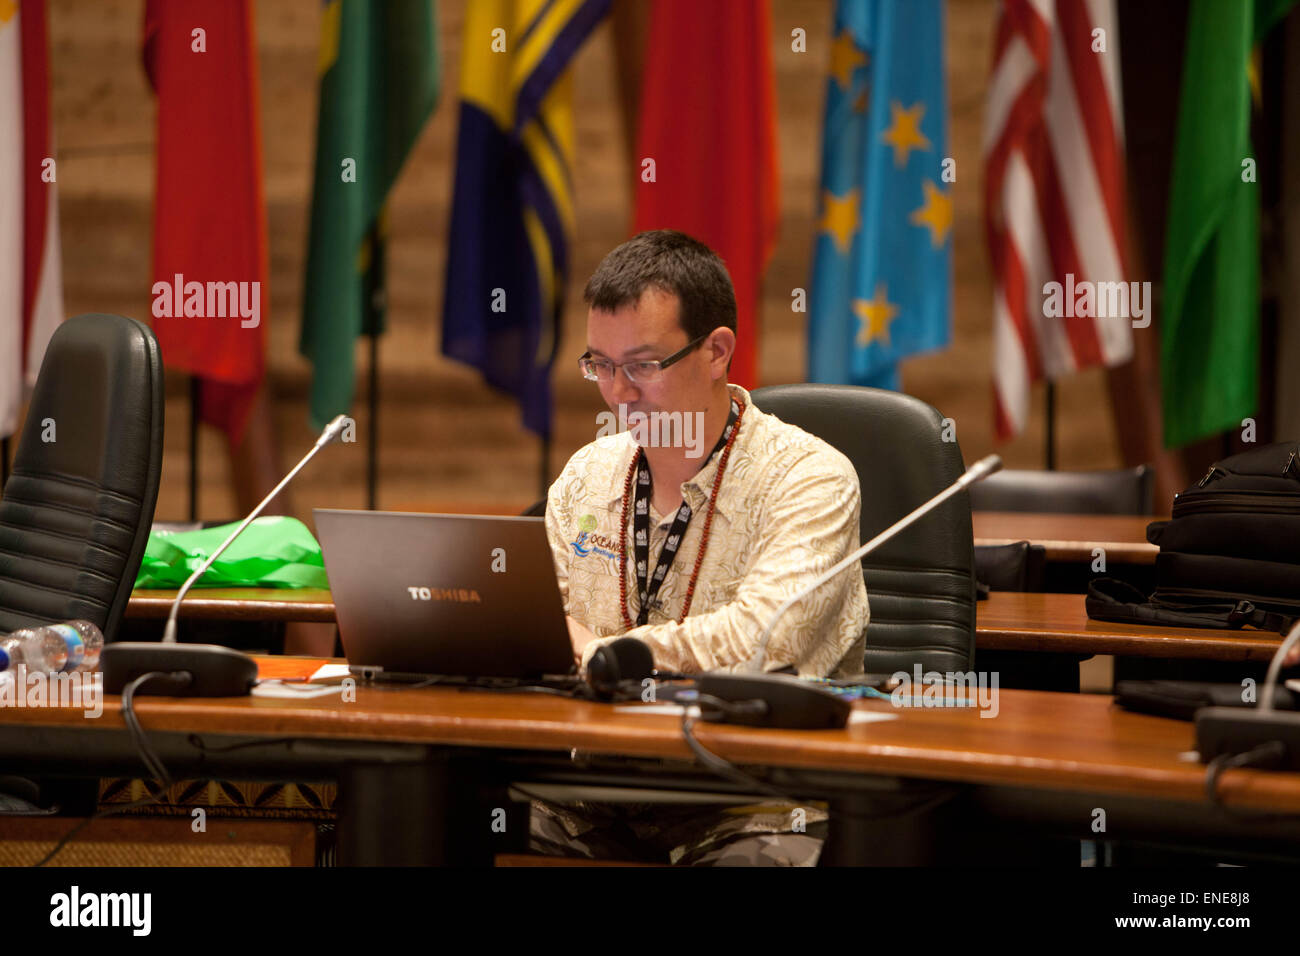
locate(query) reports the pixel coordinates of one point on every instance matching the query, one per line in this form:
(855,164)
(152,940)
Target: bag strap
(1243,614)
(1110,599)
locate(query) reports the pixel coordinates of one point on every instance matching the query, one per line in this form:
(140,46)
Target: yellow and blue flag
(882,263)
(512,211)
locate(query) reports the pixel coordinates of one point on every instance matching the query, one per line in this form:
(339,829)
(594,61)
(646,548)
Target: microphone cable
(694,712)
(153,763)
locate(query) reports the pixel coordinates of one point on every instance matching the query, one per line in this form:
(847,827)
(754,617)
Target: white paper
(296,690)
(328,671)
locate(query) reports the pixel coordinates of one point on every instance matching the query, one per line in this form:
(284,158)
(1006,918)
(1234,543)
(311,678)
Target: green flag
(378,84)
(1209,355)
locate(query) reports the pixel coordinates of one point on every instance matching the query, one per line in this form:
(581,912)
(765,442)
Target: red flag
(210,269)
(708,122)
(37,147)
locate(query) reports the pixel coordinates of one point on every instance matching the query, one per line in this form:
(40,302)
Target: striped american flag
(1054,192)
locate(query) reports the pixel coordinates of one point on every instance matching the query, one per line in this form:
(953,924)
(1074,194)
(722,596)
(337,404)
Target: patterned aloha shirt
(787,511)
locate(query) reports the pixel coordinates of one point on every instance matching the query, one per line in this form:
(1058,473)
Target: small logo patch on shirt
(588,542)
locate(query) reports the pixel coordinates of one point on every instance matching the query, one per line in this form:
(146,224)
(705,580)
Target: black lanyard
(641,524)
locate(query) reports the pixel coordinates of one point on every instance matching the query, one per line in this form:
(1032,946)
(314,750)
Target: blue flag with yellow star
(882,264)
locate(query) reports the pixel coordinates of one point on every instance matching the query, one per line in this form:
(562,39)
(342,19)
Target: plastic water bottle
(76,647)
(92,638)
(39,649)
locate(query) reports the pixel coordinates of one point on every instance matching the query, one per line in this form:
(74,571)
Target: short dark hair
(673,262)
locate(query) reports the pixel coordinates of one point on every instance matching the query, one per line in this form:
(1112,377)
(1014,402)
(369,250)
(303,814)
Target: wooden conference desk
(236,604)
(1065,537)
(406,761)
(1012,621)
(1070,537)
(1058,623)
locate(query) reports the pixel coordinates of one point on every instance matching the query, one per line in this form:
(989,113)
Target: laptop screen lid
(455,595)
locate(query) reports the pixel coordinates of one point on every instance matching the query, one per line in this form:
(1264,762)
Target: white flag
(31,286)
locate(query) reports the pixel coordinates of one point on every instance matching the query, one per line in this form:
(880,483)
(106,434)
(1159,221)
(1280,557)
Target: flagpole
(372,443)
(375,278)
(1050,395)
(194,447)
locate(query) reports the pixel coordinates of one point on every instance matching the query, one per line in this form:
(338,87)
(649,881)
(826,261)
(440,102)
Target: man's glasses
(640,372)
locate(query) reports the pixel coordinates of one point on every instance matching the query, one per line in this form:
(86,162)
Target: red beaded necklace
(704,537)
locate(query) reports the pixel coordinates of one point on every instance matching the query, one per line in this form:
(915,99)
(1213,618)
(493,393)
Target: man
(690,529)
(770,506)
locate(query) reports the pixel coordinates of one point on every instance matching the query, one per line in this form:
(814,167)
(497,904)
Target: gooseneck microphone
(795,703)
(331,432)
(197,670)
(978,471)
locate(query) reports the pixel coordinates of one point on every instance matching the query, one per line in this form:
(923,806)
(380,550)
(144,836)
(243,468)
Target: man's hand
(580,636)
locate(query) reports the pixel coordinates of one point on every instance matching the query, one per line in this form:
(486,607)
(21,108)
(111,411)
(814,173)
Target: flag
(708,124)
(882,257)
(1209,333)
(512,210)
(378,85)
(31,275)
(210,292)
(1054,196)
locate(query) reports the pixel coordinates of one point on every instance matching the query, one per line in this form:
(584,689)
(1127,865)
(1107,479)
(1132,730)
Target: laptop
(459,596)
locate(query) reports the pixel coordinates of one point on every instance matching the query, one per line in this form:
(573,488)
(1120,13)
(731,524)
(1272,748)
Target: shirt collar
(699,487)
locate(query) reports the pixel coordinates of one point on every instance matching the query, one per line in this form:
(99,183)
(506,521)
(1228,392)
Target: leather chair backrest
(78,504)
(1019,566)
(920,584)
(1127,491)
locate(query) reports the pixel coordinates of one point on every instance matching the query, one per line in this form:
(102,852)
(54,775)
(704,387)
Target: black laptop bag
(1230,555)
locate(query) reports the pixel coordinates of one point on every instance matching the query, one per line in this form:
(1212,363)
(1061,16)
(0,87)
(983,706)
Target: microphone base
(791,703)
(202,670)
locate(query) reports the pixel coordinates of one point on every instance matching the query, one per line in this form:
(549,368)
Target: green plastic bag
(273,552)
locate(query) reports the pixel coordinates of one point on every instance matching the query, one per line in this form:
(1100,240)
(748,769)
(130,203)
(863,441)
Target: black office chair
(920,585)
(1126,491)
(76,510)
(1021,566)
(77,507)
(1010,567)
